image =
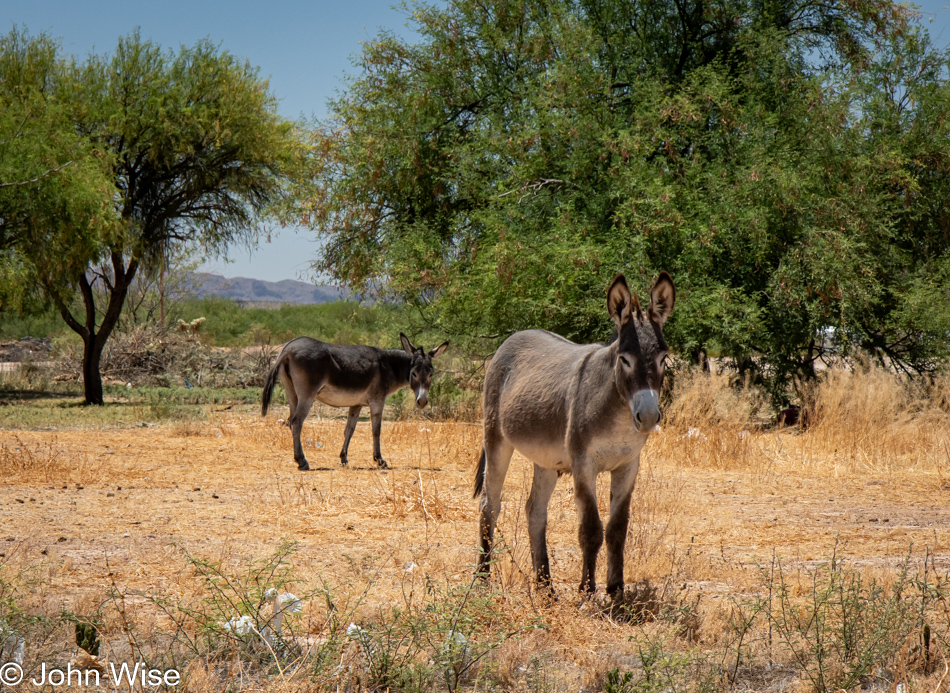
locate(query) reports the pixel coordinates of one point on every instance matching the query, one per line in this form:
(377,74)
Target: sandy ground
(92,509)
(92,495)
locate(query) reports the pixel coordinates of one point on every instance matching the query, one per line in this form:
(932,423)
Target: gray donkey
(576,409)
(347,376)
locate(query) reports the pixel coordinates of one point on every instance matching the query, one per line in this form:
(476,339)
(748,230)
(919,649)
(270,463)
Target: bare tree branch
(37,179)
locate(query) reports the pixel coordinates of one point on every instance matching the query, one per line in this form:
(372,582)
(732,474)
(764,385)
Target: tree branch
(537,186)
(90,302)
(67,316)
(37,179)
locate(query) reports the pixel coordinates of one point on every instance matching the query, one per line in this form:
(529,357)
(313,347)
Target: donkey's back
(528,392)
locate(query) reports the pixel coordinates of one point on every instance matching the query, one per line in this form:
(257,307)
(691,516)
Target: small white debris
(901,688)
(458,654)
(288,604)
(12,646)
(409,567)
(456,640)
(361,637)
(240,625)
(285,603)
(694,433)
(128,386)
(354,632)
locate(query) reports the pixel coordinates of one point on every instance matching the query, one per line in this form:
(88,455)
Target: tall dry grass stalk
(44,462)
(710,423)
(874,419)
(706,401)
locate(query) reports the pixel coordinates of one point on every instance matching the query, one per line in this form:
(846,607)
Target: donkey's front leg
(376,416)
(622,481)
(590,531)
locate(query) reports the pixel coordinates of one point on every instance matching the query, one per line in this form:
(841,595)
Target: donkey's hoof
(381,463)
(344,461)
(303,466)
(587,592)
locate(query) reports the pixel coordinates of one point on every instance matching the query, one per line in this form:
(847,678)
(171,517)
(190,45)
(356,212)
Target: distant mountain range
(258,291)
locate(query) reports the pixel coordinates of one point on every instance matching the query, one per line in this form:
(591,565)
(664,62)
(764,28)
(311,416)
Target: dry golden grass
(84,513)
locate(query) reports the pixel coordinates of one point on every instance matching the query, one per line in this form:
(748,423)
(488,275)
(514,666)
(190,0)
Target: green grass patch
(46,324)
(341,322)
(64,408)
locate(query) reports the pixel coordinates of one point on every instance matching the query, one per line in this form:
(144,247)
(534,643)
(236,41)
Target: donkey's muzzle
(645,406)
(422,400)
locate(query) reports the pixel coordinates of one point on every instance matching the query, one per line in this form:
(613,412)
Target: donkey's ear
(662,298)
(406,344)
(438,350)
(620,302)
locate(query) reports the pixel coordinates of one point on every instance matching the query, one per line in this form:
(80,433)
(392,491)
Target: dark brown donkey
(347,376)
(580,409)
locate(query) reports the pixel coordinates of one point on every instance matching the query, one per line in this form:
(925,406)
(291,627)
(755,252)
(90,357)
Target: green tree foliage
(785,161)
(196,155)
(54,187)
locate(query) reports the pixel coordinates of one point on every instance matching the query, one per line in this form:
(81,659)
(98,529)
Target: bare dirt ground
(89,510)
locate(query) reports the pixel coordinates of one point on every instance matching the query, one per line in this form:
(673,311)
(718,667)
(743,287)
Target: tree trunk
(91,377)
(94,336)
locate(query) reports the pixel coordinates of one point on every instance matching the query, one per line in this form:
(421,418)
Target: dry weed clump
(709,422)
(656,523)
(44,461)
(866,418)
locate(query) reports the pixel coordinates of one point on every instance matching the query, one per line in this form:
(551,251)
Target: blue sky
(303,47)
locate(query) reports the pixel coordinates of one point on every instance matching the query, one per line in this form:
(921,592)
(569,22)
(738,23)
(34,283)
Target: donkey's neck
(400,363)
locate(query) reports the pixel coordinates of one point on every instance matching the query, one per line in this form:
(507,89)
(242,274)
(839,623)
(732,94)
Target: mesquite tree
(54,188)
(785,161)
(196,154)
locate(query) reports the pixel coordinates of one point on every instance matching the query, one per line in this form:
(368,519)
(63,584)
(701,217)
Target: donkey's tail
(480,475)
(269,385)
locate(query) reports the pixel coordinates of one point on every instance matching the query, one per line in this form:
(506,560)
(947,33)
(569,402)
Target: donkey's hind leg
(300,401)
(290,391)
(352,417)
(498,452)
(296,426)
